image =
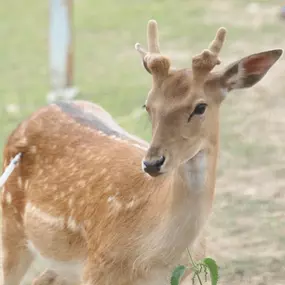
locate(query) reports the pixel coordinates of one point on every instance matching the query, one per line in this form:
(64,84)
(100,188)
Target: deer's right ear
(249,70)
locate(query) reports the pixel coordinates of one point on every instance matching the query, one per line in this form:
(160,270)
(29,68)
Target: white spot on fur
(111,198)
(3,195)
(81,183)
(70,203)
(71,224)
(8,198)
(130,204)
(44,217)
(33,149)
(114,203)
(19,179)
(26,185)
(23,141)
(62,195)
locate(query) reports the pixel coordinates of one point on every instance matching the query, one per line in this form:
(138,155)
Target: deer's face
(183,119)
(183,105)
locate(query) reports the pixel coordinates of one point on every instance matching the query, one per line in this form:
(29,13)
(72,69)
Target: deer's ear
(249,70)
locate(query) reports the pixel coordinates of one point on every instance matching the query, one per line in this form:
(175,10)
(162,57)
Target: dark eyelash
(191,115)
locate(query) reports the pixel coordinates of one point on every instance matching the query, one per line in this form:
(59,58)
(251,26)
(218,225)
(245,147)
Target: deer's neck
(184,203)
(191,190)
(192,174)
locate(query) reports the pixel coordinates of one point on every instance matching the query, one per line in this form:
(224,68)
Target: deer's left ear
(249,70)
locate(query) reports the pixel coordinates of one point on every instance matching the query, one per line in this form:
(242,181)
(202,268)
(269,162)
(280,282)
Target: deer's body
(74,191)
(80,199)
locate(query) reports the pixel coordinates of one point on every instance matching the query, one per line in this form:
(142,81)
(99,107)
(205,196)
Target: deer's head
(183,105)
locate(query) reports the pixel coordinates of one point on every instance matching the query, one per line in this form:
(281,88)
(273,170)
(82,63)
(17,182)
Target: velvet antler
(204,62)
(155,63)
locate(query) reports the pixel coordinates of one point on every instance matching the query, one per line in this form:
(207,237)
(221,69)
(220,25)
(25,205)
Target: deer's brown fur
(79,197)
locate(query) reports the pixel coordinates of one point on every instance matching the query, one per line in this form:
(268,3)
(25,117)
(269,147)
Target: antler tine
(152,40)
(203,63)
(217,44)
(154,62)
(152,37)
(142,52)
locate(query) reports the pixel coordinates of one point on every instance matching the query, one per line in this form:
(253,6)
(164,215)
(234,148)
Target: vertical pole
(61,50)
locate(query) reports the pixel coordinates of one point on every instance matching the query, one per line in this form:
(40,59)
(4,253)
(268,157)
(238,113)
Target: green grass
(108,71)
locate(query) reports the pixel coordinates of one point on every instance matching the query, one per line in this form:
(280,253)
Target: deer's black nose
(152,167)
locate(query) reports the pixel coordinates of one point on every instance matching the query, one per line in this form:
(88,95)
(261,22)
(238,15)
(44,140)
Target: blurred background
(246,232)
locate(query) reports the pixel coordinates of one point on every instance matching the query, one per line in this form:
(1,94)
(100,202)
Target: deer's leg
(15,265)
(49,277)
(16,257)
(99,271)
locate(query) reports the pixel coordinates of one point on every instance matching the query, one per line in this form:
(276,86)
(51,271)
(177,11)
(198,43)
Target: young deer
(79,198)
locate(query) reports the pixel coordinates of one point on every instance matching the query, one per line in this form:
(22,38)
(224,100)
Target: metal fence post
(61,50)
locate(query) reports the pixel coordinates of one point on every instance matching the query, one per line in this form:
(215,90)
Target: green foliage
(204,266)
(178,272)
(213,268)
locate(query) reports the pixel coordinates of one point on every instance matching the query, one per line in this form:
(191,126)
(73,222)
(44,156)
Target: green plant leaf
(177,273)
(213,268)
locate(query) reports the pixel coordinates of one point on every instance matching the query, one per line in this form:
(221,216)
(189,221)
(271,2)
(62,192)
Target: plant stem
(191,259)
(194,266)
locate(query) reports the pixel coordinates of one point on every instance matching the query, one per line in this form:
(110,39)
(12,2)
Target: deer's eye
(199,110)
